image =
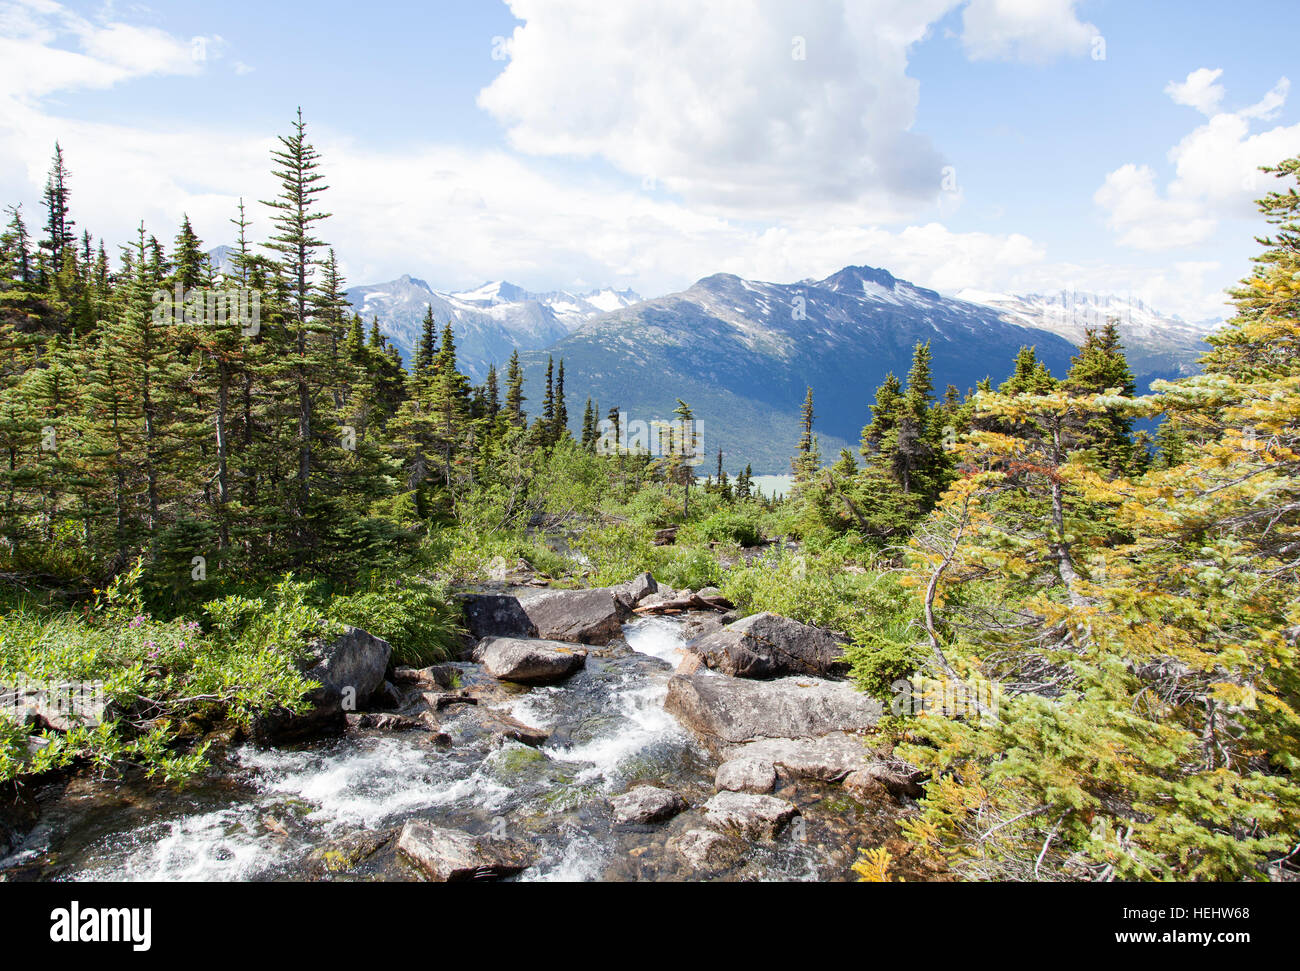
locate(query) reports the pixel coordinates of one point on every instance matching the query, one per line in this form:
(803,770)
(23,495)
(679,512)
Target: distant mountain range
(489,322)
(743,352)
(1157,345)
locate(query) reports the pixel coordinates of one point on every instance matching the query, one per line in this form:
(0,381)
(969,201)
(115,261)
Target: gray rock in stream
(705,849)
(496,615)
(647,804)
(752,816)
(449,856)
(529,661)
(579,616)
(828,759)
(770,646)
(726,712)
(636,589)
(745,775)
(350,671)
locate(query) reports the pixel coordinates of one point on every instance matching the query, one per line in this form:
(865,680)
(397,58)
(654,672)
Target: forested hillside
(1086,636)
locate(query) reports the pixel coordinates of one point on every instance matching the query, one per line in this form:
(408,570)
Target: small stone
(746,775)
(647,804)
(706,850)
(752,816)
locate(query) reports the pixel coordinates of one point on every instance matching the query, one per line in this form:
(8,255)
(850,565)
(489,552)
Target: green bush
(693,568)
(421,622)
(727,526)
(155,673)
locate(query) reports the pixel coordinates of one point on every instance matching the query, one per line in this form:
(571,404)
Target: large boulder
(529,661)
(727,712)
(770,646)
(350,672)
(450,856)
(578,616)
(496,615)
(752,816)
(647,804)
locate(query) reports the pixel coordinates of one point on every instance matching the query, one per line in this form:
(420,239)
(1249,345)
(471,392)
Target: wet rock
(346,854)
(705,849)
(449,856)
(529,661)
(636,589)
(578,616)
(385,722)
(725,712)
(647,804)
(745,775)
(770,646)
(418,678)
(349,671)
(699,624)
(689,664)
(752,816)
(879,777)
(496,615)
(829,758)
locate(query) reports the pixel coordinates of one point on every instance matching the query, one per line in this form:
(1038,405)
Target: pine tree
(1099,367)
(427,348)
(515,392)
(806,460)
(190,261)
(58,224)
(294,216)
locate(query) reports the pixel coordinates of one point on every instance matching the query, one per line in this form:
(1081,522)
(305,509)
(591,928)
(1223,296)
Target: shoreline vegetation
(1096,629)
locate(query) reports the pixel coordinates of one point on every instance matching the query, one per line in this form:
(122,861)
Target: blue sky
(995,145)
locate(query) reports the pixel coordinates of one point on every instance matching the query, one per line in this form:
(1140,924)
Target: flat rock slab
(752,816)
(578,616)
(529,661)
(828,759)
(725,712)
(450,856)
(770,646)
(745,774)
(705,849)
(647,804)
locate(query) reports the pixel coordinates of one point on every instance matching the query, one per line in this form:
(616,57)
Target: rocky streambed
(569,748)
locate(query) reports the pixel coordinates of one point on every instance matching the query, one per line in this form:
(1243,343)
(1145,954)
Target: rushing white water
(609,730)
(657,636)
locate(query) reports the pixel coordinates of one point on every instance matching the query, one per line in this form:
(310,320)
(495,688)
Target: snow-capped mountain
(1157,345)
(489,322)
(743,352)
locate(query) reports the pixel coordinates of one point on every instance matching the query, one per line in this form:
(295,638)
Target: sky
(994,145)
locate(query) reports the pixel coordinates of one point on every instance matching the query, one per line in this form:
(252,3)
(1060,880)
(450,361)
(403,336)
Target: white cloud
(1199,90)
(36,59)
(713,101)
(1216,171)
(468,215)
(1036,31)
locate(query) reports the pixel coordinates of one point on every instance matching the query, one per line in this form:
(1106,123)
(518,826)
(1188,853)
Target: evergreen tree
(58,223)
(294,216)
(515,392)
